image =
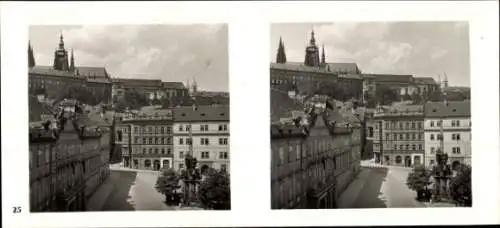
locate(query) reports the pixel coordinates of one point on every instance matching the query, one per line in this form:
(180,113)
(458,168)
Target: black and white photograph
(128,117)
(370,115)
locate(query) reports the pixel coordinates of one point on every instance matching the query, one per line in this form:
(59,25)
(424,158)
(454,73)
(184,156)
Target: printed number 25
(16,210)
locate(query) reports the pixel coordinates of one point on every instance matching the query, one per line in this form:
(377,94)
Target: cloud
(167,52)
(419,48)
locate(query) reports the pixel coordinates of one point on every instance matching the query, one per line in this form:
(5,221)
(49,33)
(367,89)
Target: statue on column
(441,173)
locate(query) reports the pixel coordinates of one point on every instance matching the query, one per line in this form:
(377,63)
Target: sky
(424,49)
(175,53)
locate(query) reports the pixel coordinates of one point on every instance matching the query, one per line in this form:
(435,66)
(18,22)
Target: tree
(460,186)
(214,191)
(167,184)
(418,180)
(386,96)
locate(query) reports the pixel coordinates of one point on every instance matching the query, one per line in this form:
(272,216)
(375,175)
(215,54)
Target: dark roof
(285,87)
(450,109)
(391,78)
(49,71)
(93,71)
(425,80)
(138,82)
(282,105)
(98,80)
(286,131)
(201,113)
(173,85)
(299,67)
(344,67)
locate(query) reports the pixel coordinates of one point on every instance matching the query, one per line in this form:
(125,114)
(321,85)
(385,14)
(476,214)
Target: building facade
(149,88)
(399,135)
(145,139)
(68,161)
(203,132)
(448,130)
(313,163)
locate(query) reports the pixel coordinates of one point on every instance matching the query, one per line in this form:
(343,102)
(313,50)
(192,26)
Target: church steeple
(281,56)
(72,64)
(31,57)
(312,53)
(61,57)
(323,60)
(61,42)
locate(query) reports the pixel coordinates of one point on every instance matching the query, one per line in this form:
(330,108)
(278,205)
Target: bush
(418,180)
(214,191)
(167,184)
(460,186)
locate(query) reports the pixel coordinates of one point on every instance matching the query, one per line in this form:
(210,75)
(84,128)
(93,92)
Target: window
(432,123)
(412,125)
(440,137)
(181,128)
(420,146)
(395,136)
(162,130)
(181,154)
(455,150)
(433,150)
(137,140)
(157,141)
(298,152)
(169,130)
(281,156)
(150,129)
(181,166)
(205,155)
(162,150)
(401,137)
(407,125)
(156,129)
(144,141)
(222,155)
(150,140)
(136,129)
(181,141)
(419,125)
(204,141)
(188,127)
(438,123)
(432,136)
(204,127)
(407,136)
(386,125)
(413,136)
(453,123)
(144,150)
(223,167)
(370,131)
(413,147)
(407,146)
(458,123)
(169,151)
(400,125)
(222,141)
(156,150)
(387,136)
(401,147)
(162,140)
(395,147)
(119,135)
(188,141)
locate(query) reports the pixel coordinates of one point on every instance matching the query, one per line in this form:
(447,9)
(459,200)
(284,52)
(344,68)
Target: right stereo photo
(370,115)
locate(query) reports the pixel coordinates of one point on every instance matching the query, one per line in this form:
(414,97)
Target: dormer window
(183,114)
(203,114)
(222,114)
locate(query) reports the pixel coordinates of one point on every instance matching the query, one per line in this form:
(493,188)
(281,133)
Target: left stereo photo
(129,117)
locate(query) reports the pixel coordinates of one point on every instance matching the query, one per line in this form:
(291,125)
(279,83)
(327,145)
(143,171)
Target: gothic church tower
(281,56)
(312,53)
(61,57)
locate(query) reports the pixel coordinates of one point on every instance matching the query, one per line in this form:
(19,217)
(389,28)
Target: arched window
(398,159)
(147,163)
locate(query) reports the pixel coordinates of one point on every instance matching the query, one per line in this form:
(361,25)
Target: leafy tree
(214,191)
(460,186)
(167,184)
(418,180)
(386,96)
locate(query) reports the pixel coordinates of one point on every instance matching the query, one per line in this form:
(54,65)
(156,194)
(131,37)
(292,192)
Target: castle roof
(201,113)
(49,71)
(173,85)
(447,109)
(391,78)
(99,72)
(138,82)
(425,80)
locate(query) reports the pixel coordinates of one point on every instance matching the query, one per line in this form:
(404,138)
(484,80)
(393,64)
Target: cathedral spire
(312,53)
(72,64)
(31,57)
(61,42)
(323,61)
(313,40)
(281,56)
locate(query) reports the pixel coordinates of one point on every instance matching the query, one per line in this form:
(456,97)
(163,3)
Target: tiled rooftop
(201,113)
(448,109)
